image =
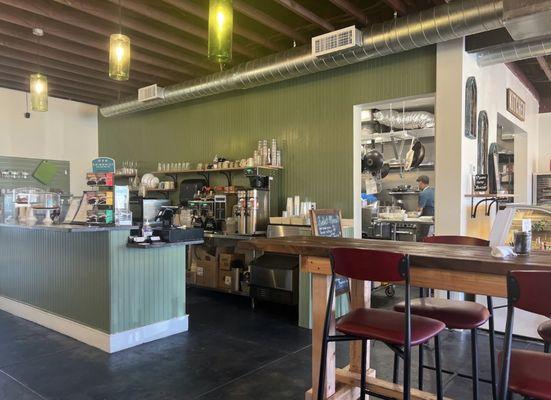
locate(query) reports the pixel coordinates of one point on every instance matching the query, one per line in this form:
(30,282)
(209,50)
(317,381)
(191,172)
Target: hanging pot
(385,169)
(373,161)
(408,162)
(418,154)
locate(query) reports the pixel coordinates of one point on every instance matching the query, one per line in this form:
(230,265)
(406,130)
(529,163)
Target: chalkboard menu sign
(326,223)
(480,183)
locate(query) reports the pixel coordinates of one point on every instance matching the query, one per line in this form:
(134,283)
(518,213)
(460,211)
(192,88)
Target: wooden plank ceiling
(169,38)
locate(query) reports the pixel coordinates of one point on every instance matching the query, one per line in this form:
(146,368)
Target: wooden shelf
(161,190)
(202,171)
(124,175)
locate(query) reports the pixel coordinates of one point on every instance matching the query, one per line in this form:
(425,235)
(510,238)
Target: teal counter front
(86,282)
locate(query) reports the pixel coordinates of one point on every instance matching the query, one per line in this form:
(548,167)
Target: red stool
(399,331)
(527,373)
(544,331)
(457,315)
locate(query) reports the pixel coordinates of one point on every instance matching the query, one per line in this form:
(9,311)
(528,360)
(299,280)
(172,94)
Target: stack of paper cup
(296,210)
(289,207)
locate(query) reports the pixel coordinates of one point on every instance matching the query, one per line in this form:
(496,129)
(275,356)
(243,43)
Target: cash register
(169,233)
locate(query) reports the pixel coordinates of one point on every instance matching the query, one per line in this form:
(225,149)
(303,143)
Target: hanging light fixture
(119,54)
(38,84)
(220,30)
(39,92)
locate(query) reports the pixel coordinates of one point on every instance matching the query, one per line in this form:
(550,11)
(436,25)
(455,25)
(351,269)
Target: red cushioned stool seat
(454,313)
(530,374)
(544,330)
(387,326)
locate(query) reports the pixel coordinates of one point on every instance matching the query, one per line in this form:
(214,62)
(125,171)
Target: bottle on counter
(273,151)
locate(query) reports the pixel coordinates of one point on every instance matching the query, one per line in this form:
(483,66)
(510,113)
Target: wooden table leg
(361,298)
(320,295)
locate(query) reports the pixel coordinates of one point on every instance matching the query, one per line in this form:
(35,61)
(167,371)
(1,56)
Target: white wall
(544,153)
(67,131)
(457,154)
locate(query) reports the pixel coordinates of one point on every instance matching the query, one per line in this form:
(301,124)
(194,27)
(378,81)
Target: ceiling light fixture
(220,30)
(38,83)
(119,53)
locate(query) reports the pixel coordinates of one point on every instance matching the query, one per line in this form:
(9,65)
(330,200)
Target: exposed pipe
(514,51)
(435,25)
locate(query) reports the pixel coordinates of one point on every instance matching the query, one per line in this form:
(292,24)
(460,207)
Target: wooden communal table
(469,269)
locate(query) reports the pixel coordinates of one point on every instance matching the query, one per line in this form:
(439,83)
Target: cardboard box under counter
(226,260)
(207,274)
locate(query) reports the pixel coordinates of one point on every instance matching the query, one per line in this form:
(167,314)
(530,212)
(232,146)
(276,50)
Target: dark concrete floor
(230,352)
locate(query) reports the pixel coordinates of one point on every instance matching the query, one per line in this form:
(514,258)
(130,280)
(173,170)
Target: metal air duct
(514,51)
(435,25)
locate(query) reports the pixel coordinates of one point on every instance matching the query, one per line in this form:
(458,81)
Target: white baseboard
(93,337)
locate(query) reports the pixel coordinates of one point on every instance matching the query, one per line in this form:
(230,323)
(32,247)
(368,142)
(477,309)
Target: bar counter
(84,281)
(469,269)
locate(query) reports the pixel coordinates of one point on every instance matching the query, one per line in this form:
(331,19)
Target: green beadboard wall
(311,117)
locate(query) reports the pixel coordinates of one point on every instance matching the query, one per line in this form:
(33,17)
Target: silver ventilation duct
(448,21)
(514,51)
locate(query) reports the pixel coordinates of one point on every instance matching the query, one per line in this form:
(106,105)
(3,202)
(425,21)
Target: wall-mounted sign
(515,105)
(480,182)
(103,164)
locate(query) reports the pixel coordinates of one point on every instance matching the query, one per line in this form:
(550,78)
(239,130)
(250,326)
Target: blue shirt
(426,201)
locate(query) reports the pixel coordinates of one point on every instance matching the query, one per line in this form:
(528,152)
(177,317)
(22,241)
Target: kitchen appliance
(188,189)
(274,277)
(258,207)
(212,213)
(241,212)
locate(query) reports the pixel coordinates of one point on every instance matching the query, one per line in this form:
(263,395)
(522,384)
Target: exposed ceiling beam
(265,19)
(517,71)
(22,87)
(397,5)
(195,9)
(544,65)
(53,42)
(352,9)
(178,23)
(86,38)
(84,85)
(68,76)
(30,58)
(69,58)
(99,10)
(55,84)
(73,17)
(308,15)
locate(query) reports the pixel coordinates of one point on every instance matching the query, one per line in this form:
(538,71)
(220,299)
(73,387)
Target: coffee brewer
(253,205)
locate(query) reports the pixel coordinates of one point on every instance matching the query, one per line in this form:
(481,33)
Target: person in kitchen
(426,205)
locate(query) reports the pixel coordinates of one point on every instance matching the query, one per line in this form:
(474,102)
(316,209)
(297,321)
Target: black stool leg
(546,347)
(364,367)
(323,366)
(474,354)
(396,368)
(492,347)
(420,367)
(439,387)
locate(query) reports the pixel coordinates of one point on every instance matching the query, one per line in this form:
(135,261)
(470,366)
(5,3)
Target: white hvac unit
(151,92)
(342,39)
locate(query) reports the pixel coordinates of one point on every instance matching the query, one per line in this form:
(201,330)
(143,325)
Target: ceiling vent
(151,92)
(336,41)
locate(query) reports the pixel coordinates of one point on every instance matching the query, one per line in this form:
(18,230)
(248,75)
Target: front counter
(86,283)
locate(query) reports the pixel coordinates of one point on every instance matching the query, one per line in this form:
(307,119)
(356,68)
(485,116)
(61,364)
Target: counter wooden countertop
(422,255)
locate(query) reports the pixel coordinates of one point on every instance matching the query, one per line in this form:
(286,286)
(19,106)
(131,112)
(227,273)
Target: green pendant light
(220,30)
(119,53)
(38,83)
(39,92)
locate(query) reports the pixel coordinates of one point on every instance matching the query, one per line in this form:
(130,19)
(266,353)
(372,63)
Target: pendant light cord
(120,16)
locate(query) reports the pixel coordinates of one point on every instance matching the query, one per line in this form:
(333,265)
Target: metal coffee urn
(241,212)
(258,209)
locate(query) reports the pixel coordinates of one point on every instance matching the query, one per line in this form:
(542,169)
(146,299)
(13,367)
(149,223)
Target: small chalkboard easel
(326,223)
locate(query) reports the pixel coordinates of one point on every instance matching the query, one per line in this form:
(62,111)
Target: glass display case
(510,220)
(31,206)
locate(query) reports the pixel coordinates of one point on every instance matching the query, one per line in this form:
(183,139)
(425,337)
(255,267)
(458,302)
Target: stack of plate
(150,181)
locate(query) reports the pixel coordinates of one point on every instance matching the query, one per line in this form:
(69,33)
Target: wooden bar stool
(399,331)
(457,314)
(544,330)
(524,372)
